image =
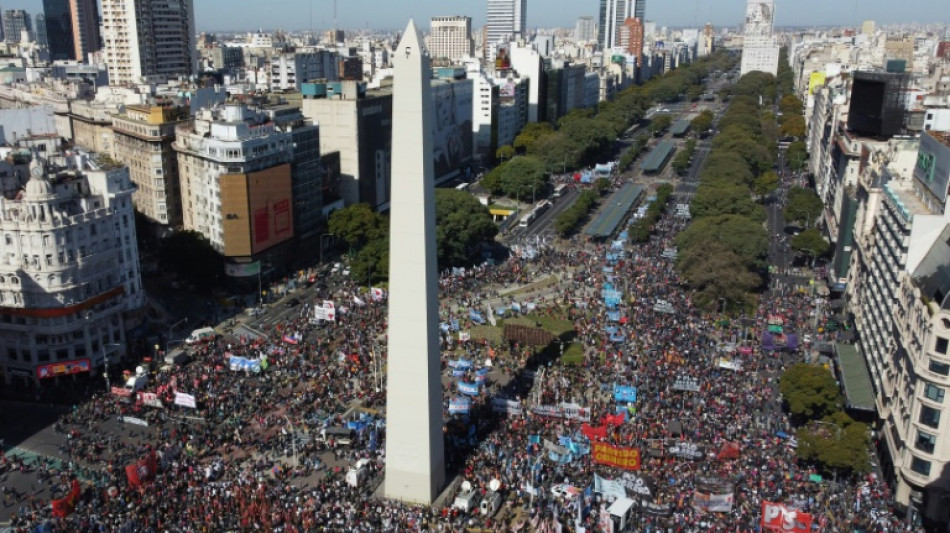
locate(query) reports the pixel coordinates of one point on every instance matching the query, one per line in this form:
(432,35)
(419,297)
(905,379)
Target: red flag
(142,471)
(777,517)
(590,432)
(64,506)
(615,420)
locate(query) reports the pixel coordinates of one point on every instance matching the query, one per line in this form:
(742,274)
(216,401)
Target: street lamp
(170,329)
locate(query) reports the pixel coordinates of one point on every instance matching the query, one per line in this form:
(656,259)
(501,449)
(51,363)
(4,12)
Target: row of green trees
(684,157)
(463,225)
(724,250)
(641,229)
(572,218)
(826,436)
(632,153)
(585,137)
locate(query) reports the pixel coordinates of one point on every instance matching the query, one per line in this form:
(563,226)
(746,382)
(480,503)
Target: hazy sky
(386,14)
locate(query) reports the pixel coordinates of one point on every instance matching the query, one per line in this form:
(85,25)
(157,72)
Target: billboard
(62,369)
(817,79)
(452,127)
(256,209)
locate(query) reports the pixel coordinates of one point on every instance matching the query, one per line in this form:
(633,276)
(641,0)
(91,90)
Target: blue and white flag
(469,389)
(625,394)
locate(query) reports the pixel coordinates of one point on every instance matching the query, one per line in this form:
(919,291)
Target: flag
(357,301)
(730,450)
(142,471)
(64,506)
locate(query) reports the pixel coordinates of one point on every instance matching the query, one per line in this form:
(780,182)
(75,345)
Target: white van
(490,504)
(201,335)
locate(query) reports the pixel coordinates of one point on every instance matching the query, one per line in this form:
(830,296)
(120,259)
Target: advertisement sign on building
(63,369)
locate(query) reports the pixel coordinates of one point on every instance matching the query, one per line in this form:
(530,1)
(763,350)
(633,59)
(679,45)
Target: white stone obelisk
(415,453)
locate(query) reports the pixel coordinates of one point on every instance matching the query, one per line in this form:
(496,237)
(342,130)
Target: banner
(150,399)
(686,450)
(327,311)
(63,507)
(377,294)
(242,270)
(142,471)
(615,420)
(730,364)
(730,450)
(686,383)
(569,411)
(63,369)
(185,400)
(626,458)
(659,510)
(121,392)
(133,420)
(503,405)
(460,405)
(625,394)
(461,364)
(476,317)
(470,389)
(592,433)
(240,363)
(609,487)
(777,517)
(712,502)
(639,485)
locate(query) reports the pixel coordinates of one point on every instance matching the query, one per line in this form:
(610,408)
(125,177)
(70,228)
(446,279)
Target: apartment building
(450,38)
(148,39)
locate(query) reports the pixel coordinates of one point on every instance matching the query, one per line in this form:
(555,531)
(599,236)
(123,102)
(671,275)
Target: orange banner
(626,458)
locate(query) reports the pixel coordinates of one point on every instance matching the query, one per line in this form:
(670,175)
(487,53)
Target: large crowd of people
(706,407)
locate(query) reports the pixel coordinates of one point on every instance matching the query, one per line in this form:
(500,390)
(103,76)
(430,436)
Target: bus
(526,220)
(542,206)
(559,190)
(461,187)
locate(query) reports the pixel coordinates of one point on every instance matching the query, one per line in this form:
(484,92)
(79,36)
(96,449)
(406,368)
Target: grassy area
(573,355)
(491,333)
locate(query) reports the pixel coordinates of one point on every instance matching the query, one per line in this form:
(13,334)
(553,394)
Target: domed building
(69,271)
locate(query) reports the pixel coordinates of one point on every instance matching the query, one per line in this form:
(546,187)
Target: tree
(810,242)
(803,206)
(714,271)
(703,121)
(505,152)
(810,391)
(602,185)
(371,263)
(738,234)
(796,155)
(462,225)
(838,443)
(765,183)
(660,123)
(790,105)
(357,225)
(793,126)
(712,200)
(492,180)
(531,132)
(524,176)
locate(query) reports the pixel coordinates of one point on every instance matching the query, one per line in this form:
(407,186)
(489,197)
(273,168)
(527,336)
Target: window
(939,368)
(925,442)
(933,392)
(941,345)
(929,416)
(920,466)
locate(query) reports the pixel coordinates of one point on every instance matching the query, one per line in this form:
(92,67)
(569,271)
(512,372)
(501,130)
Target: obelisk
(415,453)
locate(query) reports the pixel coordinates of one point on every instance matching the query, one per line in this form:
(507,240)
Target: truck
(338,435)
(176,357)
(201,335)
(137,382)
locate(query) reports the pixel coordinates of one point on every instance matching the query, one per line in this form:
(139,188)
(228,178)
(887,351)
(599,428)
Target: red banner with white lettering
(777,517)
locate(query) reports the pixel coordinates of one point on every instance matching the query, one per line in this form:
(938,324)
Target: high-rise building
(612,15)
(634,32)
(148,39)
(640,9)
(39,23)
(585,29)
(291,70)
(759,51)
(59,29)
(868,28)
(451,38)
(506,20)
(69,274)
(85,23)
(143,140)
(14,22)
(707,41)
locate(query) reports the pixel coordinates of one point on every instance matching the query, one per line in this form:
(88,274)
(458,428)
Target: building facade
(59,29)
(450,38)
(148,39)
(613,13)
(759,50)
(69,271)
(14,22)
(290,71)
(506,21)
(234,167)
(143,138)
(634,37)
(585,29)
(85,28)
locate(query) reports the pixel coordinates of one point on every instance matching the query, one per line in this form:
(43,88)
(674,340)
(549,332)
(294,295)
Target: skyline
(248,15)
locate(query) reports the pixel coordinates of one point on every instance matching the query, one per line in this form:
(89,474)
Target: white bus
(542,206)
(526,220)
(559,190)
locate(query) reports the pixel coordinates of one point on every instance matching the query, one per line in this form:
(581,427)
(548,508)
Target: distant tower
(14,22)
(415,454)
(612,15)
(639,9)
(506,20)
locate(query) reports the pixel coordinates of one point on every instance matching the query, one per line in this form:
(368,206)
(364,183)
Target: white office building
(148,39)
(290,71)
(69,270)
(506,21)
(759,50)
(451,38)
